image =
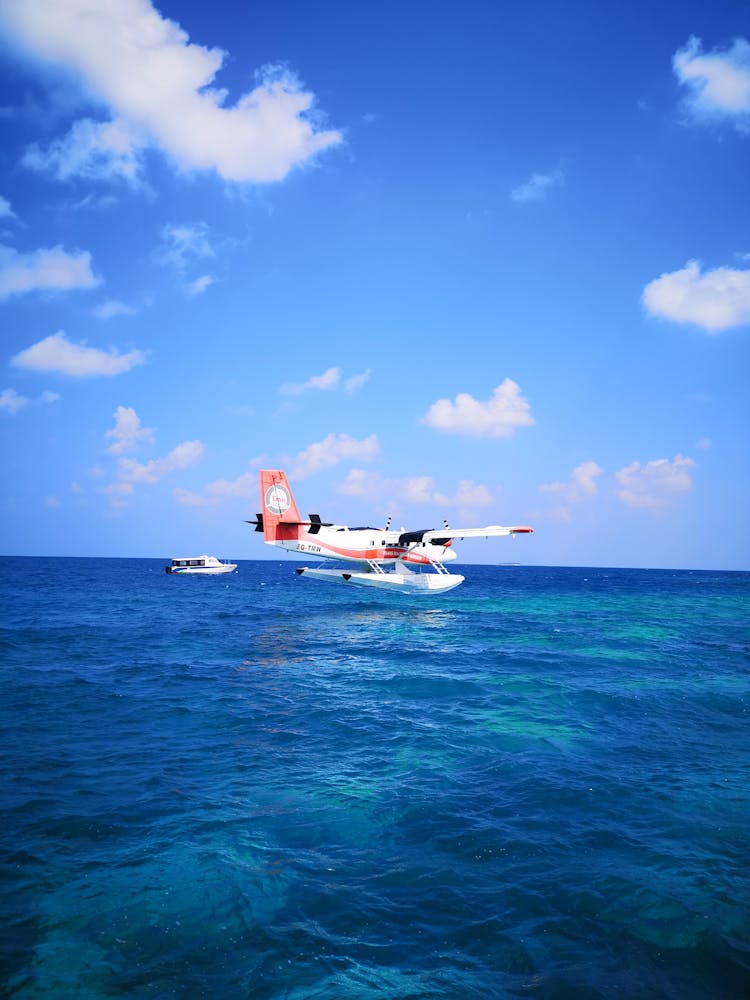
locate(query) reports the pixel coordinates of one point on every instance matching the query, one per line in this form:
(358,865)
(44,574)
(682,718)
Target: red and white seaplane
(370,549)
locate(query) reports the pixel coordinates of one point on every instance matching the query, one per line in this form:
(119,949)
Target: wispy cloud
(414,490)
(332,450)
(112,308)
(538,186)
(57,354)
(6,212)
(199,286)
(93,150)
(46,269)
(181,457)
(159,90)
(715,300)
(355,382)
(12,401)
(182,244)
(655,485)
(496,417)
(718,82)
(244,486)
(328,380)
(580,486)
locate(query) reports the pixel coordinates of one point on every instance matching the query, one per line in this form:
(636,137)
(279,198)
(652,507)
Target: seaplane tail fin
(278,505)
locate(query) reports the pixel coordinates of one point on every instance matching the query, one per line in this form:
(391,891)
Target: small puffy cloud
(715,300)
(498,417)
(328,380)
(57,354)
(538,186)
(151,472)
(160,92)
(355,382)
(127,432)
(6,212)
(47,269)
(12,401)
(52,502)
(111,308)
(718,83)
(704,444)
(654,485)
(330,451)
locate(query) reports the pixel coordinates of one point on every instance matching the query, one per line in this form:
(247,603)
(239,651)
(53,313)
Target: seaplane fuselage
(338,541)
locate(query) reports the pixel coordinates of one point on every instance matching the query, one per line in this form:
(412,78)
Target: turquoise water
(261,786)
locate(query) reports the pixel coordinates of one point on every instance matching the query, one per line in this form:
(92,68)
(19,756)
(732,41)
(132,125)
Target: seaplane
(405,561)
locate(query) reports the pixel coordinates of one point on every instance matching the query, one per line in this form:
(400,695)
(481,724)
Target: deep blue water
(536,785)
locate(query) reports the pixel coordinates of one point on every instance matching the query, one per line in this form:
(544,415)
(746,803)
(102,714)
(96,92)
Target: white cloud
(199,286)
(498,417)
(328,380)
(52,502)
(244,486)
(183,244)
(704,444)
(112,308)
(715,300)
(46,269)
(355,382)
(57,354)
(718,82)
(127,432)
(190,499)
(160,90)
(414,489)
(330,451)
(6,212)
(93,150)
(151,472)
(581,486)
(582,483)
(12,401)
(655,484)
(538,186)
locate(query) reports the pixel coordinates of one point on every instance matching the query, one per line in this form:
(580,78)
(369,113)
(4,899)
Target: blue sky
(489,263)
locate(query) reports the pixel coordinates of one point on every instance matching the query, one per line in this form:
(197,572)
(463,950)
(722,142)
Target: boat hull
(202,570)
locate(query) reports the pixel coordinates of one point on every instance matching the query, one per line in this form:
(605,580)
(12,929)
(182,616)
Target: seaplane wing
(413,560)
(490,531)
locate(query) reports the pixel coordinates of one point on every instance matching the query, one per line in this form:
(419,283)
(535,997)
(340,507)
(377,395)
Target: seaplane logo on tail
(277,499)
(378,557)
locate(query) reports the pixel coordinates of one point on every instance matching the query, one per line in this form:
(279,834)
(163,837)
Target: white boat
(199,565)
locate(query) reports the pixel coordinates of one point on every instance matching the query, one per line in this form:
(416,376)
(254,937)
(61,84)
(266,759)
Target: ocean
(536,785)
